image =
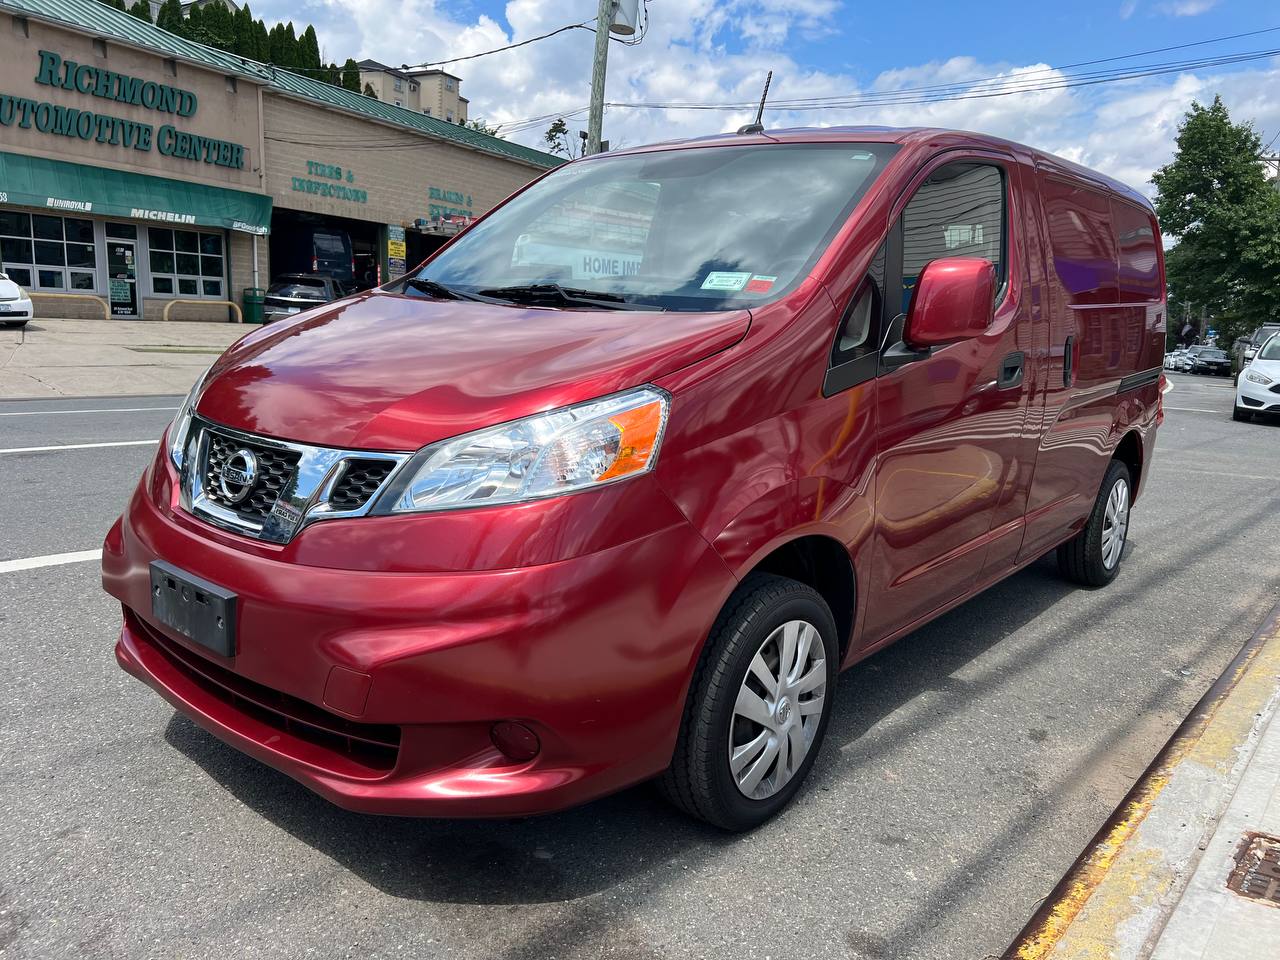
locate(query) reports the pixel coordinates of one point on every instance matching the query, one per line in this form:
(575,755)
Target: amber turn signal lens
(639,428)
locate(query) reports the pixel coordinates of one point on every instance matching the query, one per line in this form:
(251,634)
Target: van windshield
(707,228)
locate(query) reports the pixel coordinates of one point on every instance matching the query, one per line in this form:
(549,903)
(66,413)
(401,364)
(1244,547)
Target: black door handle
(1010,371)
(1068,359)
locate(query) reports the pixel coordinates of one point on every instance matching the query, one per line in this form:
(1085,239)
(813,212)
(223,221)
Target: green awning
(72,187)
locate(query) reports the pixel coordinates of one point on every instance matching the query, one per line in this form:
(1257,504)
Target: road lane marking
(81,446)
(1194,409)
(45,413)
(50,560)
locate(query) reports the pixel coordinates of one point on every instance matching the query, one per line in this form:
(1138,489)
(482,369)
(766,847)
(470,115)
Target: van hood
(389,372)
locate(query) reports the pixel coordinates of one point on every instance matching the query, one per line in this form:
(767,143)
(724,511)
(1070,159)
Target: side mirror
(954,300)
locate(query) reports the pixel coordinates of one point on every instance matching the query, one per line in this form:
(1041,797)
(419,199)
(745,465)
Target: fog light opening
(515,741)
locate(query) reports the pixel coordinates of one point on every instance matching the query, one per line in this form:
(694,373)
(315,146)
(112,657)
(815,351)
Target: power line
(970,90)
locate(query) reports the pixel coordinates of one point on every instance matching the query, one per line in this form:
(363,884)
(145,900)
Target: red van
(616,484)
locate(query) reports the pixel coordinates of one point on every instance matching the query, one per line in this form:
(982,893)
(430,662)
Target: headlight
(181,425)
(561,451)
(1256,377)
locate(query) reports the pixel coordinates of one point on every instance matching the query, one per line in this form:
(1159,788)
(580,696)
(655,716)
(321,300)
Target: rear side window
(958,212)
(1084,248)
(1137,257)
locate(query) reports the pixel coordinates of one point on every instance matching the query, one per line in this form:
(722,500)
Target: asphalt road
(964,769)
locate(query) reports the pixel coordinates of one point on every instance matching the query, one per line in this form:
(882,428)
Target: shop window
(42,248)
(122,231)
(187,263)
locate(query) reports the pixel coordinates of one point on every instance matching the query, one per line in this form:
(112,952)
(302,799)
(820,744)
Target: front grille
(358,483)
(372,745)
(275,467)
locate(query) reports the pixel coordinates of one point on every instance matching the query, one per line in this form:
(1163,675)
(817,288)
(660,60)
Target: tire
(14,325)
(755,621)
(1092,558)
(1240,414)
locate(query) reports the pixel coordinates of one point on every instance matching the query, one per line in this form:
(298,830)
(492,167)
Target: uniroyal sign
(59,120)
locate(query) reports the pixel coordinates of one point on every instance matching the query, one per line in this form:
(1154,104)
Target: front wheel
(1240,414)
(758,705)
(1092,557)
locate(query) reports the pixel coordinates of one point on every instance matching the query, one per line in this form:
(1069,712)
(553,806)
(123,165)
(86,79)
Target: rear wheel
(1092,558)
(758,705)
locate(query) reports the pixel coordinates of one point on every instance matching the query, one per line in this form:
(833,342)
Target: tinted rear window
(298,289)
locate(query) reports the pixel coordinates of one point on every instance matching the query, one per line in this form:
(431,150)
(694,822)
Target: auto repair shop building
(141,168)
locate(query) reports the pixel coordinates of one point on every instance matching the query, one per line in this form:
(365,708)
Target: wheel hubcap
(778,709)
(1115,524)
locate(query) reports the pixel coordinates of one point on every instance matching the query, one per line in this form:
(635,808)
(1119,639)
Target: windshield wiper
(542,292)
(434,288)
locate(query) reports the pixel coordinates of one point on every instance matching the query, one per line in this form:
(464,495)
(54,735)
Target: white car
(15,305)
(1258,389)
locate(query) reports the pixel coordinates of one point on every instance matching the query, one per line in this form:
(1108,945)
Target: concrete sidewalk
(87,358)
(1188,867)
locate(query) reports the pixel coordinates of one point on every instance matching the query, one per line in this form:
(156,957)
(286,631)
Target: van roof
(923,138)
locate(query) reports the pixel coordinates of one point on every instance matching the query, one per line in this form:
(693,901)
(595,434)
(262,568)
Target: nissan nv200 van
(615,485)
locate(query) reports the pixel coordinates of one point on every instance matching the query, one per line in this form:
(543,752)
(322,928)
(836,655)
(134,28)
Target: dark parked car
(294,292)
(1208,360)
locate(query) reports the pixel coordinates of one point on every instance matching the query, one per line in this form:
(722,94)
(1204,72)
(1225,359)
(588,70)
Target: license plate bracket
(201,611)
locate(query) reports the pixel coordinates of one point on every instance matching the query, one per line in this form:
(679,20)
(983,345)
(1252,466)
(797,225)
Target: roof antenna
(758,126)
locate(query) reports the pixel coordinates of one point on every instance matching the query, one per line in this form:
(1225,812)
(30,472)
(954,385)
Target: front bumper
(15,310)
(1257,397)
(378,690)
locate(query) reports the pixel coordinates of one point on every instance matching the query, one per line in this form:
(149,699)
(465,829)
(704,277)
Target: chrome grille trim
(303,495)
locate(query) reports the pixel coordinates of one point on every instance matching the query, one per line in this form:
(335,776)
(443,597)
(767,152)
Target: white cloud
(700,51)
(1187,8)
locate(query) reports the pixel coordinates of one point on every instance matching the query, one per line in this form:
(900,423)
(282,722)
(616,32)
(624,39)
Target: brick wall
(394,168)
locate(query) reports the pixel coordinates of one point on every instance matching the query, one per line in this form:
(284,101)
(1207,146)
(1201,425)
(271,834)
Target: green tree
(351,75)
(482,127)
(216,26)
(169,17)
(261,42)
(191,28)
(309,52)
(559,140)
(117,4)
(1215,200)
(242,28)
(283,46)
(141,10)
(369,91)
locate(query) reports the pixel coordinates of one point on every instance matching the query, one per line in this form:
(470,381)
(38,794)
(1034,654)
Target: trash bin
(254,298)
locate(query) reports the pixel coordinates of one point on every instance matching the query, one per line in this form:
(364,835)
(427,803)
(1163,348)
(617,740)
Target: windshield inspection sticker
(725,281)
(759,284)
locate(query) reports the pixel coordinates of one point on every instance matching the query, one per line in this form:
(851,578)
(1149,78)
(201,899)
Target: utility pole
(595,120)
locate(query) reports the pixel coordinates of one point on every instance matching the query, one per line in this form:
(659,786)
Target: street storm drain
(1257,870)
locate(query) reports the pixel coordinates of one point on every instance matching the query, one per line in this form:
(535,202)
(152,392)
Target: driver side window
(958,212)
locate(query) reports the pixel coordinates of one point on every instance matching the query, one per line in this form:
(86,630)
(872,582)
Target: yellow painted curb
(1119,888)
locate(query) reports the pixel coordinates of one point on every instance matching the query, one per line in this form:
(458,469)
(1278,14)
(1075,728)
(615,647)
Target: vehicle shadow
(634,841)
(584,851)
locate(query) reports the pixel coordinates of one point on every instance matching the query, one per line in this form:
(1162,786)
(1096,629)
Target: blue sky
(705,51)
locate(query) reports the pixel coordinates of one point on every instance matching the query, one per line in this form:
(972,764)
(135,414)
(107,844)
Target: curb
(1116,897)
